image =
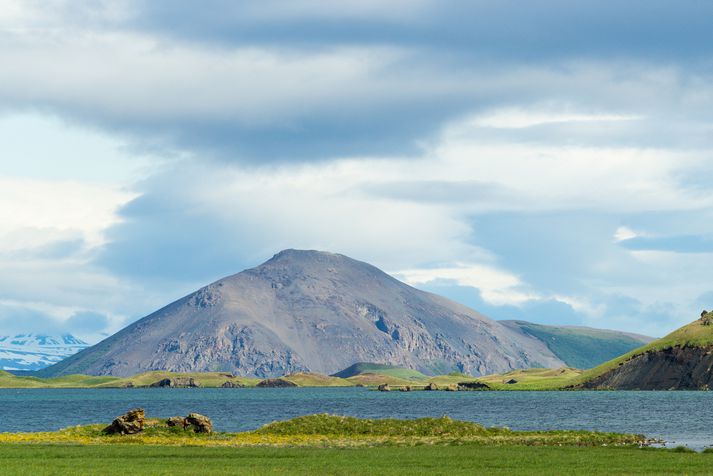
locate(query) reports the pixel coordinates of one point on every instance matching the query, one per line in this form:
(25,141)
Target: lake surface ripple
(677,417)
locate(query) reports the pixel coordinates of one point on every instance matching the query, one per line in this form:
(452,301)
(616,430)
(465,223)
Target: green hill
(381,369)
(581,347)
(679,360)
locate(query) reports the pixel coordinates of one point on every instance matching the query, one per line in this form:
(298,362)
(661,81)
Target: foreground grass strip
(108,459)
(334,431)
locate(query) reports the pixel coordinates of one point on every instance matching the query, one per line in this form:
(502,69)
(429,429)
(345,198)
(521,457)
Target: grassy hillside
(695,334)
(307,379)
(581,347)
(205,379)
(532,379)
(372,380)
(381,369)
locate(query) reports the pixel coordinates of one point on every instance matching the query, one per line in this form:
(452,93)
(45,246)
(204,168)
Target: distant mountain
(311,311)
(682,360)
(581,347)
(36,351)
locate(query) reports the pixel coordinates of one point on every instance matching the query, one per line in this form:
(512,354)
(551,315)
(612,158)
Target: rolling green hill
(581,347)
(679,360)
(380,369)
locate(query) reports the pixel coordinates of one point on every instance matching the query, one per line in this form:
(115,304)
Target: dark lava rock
(127,424)
(275,383)
(431,386)
(384,387)
(473,386)
(177,382)
(198,423)
(511,381)
(230,384)
(175,421)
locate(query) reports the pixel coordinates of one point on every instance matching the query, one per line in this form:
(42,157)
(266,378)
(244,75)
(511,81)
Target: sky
(545,160)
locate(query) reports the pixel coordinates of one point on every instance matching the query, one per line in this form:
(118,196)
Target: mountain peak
(309,310)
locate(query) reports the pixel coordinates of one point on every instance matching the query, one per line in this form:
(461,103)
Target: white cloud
(496,286)
(36,213)
(516,118)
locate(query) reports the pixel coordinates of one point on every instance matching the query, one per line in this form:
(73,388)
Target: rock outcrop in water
(310,311)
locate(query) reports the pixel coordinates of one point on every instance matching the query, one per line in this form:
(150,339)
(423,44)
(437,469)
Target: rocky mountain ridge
(310,311)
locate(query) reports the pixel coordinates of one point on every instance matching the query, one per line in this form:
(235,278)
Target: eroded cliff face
(675,368)
(311,311)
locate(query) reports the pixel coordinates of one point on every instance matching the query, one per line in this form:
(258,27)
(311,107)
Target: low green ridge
(698,333)
(334,431)
(581,347)
(381,369)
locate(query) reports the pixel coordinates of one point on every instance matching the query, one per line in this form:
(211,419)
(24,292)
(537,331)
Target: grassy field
(532,379)
(18,459)
(326,444)
(381,369)
(332,431)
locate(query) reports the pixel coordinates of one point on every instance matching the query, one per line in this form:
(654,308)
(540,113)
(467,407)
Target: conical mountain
(681,360)
(310,311)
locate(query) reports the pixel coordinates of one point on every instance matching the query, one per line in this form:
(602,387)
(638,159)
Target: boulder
(177,382)
(384,387)
(406,388)
(175,421)
(198,423)
(511,381)
(229,384)
(275,383)
(127,424)
(431,386)
(473,386)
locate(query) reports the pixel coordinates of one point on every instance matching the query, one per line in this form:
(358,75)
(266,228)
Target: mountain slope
(682,360)
(310,311)
(581,347)
(36,351)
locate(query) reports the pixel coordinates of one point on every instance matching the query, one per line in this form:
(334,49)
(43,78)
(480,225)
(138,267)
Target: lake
(677,417)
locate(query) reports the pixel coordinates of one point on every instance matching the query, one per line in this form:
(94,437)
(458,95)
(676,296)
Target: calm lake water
(677,417)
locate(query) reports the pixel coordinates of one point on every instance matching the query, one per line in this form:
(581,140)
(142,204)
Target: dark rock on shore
(275,383)
(229,384)
(431,386)
(175,421)
(384,387)
(198,423)
(194,421)
(473,386)
(177,382)
(127,424)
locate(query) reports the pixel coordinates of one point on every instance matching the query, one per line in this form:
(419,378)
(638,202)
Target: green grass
(206,379)
(533,379)
(381,369)
(448,460)
(694,334)
(582,347)
(307,379)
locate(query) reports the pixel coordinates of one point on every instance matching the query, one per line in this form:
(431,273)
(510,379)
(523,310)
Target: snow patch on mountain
(37,351)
